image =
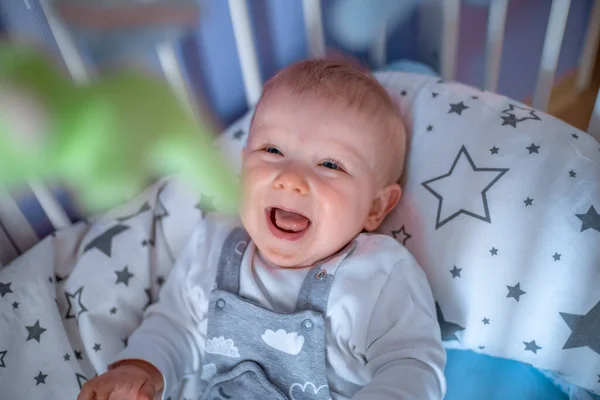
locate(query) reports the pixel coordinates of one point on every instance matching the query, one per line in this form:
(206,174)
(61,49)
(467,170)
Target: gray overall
(256,354)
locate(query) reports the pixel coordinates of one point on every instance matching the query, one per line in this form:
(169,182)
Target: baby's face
(309,177)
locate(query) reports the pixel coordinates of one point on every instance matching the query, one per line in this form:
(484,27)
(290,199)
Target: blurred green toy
(105,140)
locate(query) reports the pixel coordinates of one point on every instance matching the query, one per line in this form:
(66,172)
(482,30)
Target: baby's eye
(273,150)
(331,165)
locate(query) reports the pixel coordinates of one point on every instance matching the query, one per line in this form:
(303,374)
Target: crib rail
(555,31)
(448,15)
(494,42)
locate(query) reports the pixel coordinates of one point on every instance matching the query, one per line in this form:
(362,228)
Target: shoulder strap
(230,259)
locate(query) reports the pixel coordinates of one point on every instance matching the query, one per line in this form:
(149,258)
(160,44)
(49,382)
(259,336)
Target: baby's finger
(147,391)
(103,391)
(87,391)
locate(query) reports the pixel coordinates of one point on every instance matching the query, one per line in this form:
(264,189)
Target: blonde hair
(353,87)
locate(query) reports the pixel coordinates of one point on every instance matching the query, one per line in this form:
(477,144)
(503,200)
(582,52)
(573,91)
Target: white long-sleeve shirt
(382,336)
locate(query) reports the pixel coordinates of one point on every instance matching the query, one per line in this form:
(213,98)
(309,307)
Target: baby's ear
(384,202)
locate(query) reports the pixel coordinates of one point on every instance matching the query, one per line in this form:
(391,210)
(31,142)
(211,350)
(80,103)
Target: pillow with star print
(501,208)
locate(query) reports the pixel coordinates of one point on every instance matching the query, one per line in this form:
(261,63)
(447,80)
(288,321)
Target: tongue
(290,221)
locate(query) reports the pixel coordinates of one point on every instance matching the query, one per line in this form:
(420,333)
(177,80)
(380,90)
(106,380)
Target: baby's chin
(287,260)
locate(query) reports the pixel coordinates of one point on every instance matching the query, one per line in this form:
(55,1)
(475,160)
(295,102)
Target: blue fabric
(473,376)
(410,66)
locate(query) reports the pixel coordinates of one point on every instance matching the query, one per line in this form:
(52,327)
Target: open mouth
(287,224)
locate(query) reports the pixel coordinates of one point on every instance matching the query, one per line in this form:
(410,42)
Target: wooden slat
(15,223)
(66,45)
(173,72)
(495,40)
(550,52)
(313,27)
(590,49)
(594,127)
(8,250)
(80,75)
(52,208)
(451,22)
(246,50)
(377,52)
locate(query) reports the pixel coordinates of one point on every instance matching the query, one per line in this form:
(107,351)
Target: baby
(298,300)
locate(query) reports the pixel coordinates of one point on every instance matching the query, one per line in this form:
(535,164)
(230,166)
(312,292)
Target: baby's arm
(404,352)
(173,330)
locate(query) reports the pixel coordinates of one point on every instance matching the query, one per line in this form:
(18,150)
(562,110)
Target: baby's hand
(129,380)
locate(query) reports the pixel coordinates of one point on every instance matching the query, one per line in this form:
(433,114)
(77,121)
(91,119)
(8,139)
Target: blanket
(68,305)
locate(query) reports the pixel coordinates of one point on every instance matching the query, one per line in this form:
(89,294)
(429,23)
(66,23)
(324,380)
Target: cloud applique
(290,343)
(309,391)
(222,346)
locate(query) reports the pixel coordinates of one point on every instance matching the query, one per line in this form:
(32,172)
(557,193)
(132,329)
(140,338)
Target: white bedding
(69,304)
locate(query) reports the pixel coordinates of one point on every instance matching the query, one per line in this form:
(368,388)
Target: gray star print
(238,134)
(572,174)
(556,256)
(124,276)
(80,380)
(533,149)
(67,357)
(97,347)
(79,307)
(206,204)
(494,251)
(401,235)
(40,378)
(575,136)
(584,329)
(457,108)
(451,201)
(148,292)
(515,292)
(589,220)
(520,114)
(78,355)
(485,321)
(509,119)
(2,354)
(15,305)
(161,211)
(448,329)
(35,331)
(494,150)
(429,128)
(104,242)
(455,272)
(531,346)
(113,310)
(5,288)
(528,202)
(145,207)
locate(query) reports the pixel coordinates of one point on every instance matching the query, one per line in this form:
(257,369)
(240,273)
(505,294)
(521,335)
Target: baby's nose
(291,179)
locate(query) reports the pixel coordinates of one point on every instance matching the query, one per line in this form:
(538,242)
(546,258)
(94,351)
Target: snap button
(220,303)
(321,274)
(307,324)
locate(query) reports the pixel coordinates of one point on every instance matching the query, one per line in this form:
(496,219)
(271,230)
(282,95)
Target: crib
(439,26)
